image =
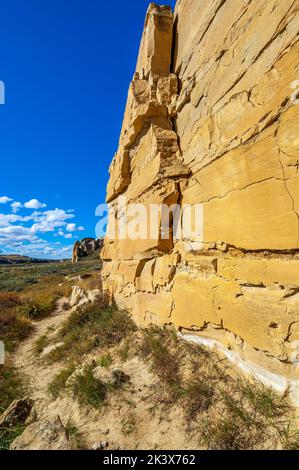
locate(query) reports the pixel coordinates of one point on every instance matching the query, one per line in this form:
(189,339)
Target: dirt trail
(39,373)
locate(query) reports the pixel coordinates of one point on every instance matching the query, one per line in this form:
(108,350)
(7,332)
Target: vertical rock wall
(212,117)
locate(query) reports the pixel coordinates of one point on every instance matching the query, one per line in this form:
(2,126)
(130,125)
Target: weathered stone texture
(211,119)
(85,247)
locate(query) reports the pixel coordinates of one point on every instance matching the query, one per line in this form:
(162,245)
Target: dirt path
(38,372)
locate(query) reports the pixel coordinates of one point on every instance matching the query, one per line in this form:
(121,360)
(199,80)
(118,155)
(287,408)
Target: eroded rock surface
(45,434)
(85,247)
(212,118)
(17,413)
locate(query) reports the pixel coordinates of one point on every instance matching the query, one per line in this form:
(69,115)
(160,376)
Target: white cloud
(57,215)
(64,235)
(74,228)
(20,234)
(48,221)
(34,204)
(15,206)
(16,233)
(5,199)
(71,227)
(7,219)
(39,249)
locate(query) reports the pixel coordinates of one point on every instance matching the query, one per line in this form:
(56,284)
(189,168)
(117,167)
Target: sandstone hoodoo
(211,119)
(86,247)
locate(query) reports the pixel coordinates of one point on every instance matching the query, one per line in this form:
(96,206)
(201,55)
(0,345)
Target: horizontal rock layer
(212,117)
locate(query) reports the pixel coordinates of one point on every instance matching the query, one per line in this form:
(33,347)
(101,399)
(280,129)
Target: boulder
(45,434)
(17,412)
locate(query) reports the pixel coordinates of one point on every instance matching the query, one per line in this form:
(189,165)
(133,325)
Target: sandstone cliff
(212,117)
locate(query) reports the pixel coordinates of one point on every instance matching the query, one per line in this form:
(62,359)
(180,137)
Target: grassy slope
(29,292)
(221,408)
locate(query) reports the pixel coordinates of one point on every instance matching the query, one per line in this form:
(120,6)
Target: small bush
(88,390)
(105,360)
(38,306)
(289,436)
(9,300)
(224,433)
(124,349)
(75,436)
(58,383)
(200,395)
(13,328)
(251,415)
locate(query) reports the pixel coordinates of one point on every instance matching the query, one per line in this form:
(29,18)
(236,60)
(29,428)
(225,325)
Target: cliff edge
(212,120)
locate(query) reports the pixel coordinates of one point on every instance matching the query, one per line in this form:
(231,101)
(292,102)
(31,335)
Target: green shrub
(105,360)
(88,390)
(40,305)
(58,383)
(75,436)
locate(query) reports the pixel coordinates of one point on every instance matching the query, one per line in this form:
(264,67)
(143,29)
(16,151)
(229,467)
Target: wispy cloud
(16,206)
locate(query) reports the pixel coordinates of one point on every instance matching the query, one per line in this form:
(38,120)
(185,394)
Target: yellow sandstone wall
(212,118)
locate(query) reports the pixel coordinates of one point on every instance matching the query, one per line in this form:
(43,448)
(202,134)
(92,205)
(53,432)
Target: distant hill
(20,259)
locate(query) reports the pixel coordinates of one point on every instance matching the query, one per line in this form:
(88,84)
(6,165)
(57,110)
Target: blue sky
(66,66)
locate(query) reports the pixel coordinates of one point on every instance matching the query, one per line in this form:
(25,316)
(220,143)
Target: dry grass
(92,325)
(14,325)
(160,348)
(223,410)
(90,280)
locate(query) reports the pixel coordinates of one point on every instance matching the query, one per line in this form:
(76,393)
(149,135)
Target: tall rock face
(212,118)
